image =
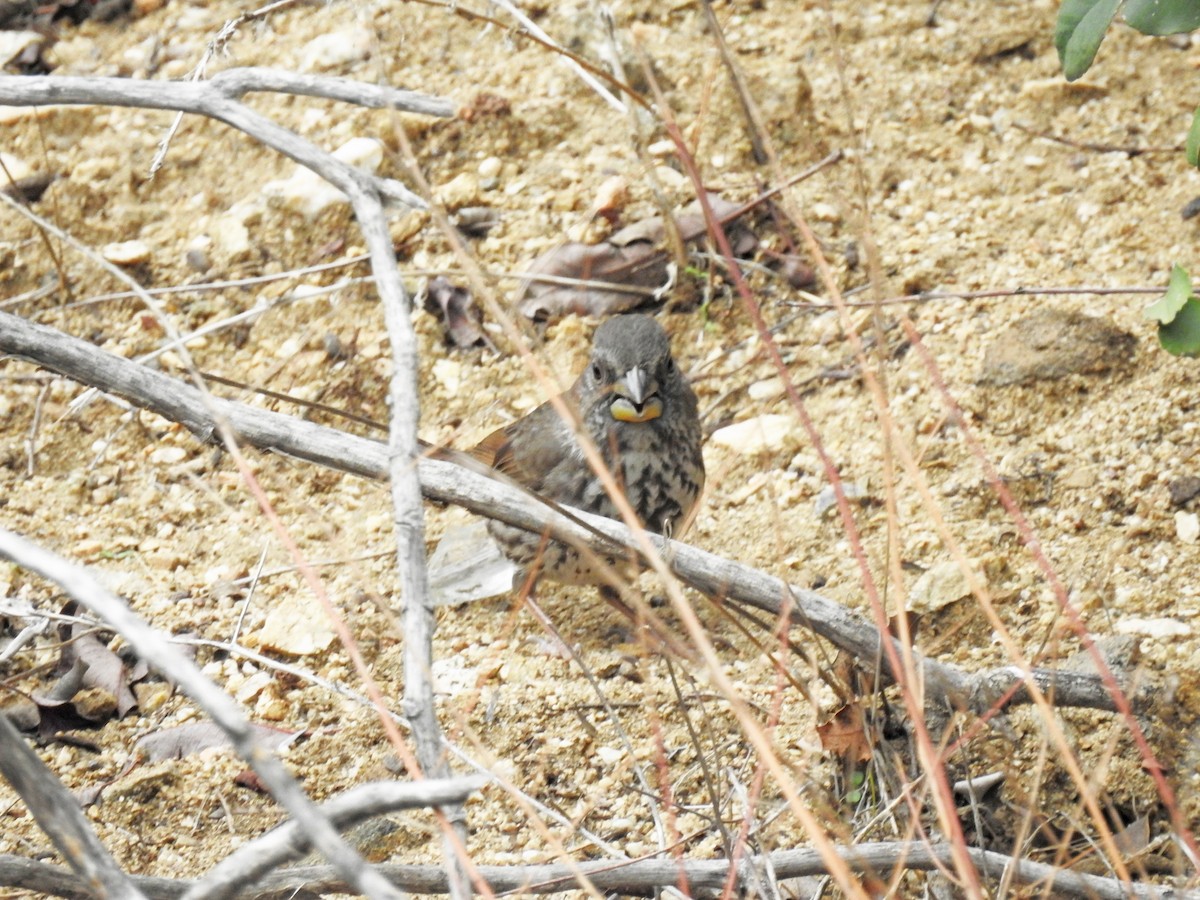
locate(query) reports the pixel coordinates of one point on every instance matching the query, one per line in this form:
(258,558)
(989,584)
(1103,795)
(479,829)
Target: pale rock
(309,194)
(451,677)
(296,625)
(14,168)
(127,253)
(670,178)
(827,498)
(610,756)
(767,389)
(824,212)
(289,348)
(490,167)
(167,456)
(253,686)
(230,236)
(336,49)
(1187,527)
(15,43)
(462,190)
(762,433)
(940,585)
(272,708)
(448,373)
(1156,628)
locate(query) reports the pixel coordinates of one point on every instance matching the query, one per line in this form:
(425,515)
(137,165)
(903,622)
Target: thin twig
(641,878)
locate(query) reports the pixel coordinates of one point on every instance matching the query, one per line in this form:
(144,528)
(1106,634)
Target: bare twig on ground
(60,817)
(641,878)
(253,860)
(218,99)
(450,483)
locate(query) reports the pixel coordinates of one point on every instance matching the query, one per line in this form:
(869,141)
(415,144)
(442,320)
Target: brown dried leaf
(456,308)
(633,257)
(106,671)
(638,264)
(846,735)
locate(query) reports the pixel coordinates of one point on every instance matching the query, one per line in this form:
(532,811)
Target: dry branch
(641,878)
(447,482)
(218,99)
(253,860)
(59,815)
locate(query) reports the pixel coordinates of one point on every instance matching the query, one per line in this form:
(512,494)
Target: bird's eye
(670,366)
(597,371)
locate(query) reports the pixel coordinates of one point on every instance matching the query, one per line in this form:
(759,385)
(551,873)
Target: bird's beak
(637,397)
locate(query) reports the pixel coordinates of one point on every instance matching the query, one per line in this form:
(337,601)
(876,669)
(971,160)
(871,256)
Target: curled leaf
(1179,291)
(1080,29)
(1193,141)
(455,306)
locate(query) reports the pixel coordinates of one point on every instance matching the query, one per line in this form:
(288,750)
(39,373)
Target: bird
(637,407)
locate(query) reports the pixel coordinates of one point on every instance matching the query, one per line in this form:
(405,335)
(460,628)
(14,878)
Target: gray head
(631,371)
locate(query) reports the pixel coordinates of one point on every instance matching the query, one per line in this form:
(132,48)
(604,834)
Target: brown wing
(495,450)
(529,449)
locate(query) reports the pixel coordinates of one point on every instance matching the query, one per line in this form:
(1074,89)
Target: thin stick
(640,878)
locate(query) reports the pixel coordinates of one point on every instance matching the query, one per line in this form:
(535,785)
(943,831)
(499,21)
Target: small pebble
(127,253)
(1187,527)
(490,167)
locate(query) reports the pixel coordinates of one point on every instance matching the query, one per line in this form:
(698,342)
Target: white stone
(1157,628)
(336,49)
(14,43)
(127,253)
(296,625)
(14,168)
(167,456)
(490,167)
(1187,527)
(769,432)
(824,212)
(448,372)
(767,389)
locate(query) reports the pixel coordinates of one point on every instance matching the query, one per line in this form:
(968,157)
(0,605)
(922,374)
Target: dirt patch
(961,193)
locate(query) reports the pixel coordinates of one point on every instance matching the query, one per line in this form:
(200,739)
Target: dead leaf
(846,735)
(105,671)
(456,308)
(631,258)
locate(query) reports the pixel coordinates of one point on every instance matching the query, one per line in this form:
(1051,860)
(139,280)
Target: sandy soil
(958,192)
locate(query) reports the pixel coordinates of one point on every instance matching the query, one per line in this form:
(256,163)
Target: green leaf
(1163,16)
(1182,336)
(1193,141)
(1079,31)
(1179,291)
